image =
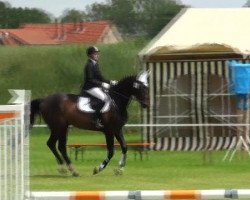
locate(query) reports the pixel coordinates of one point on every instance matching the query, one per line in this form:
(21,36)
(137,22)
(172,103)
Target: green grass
(50,69)
(163,170)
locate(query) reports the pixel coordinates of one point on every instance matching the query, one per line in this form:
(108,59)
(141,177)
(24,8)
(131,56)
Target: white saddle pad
(83,105)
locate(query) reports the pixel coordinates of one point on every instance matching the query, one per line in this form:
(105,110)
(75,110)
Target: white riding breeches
(99,94)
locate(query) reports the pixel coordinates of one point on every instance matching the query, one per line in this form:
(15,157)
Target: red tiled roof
(31,36)
(83,32)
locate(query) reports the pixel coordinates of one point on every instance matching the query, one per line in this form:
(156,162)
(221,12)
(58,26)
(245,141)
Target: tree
(4,7)
(15,17)
(18,16)
(125,15)
(247,4)
(138,17)
(99,11)
(73,16)
(154,16)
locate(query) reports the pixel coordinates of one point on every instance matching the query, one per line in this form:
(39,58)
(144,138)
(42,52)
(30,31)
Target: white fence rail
(14,151)
(142,195)
(170,125)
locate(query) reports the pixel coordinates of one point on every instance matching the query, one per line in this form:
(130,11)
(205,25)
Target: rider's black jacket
(92,76)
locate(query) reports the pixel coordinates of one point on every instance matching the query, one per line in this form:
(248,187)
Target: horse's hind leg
(63,150)
(52,145)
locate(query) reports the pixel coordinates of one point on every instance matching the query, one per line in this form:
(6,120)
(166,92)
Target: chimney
(57,35)
(75,26)
(81,26)
(63,32)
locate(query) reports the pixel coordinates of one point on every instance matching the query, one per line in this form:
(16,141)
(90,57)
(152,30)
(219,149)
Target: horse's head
(140,88)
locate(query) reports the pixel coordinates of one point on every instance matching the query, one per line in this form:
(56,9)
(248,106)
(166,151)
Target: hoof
(96,170)
(75,174)
(118,171)
(62,171)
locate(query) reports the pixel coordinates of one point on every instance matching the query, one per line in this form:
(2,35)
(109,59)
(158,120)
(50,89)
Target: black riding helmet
(92,49)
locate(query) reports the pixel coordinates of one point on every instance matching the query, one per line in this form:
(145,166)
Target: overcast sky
(56,7)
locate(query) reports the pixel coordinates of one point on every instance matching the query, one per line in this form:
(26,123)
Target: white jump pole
(142,195)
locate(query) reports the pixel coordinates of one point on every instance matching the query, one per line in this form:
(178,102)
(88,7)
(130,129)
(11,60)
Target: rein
(124,96)
(120,94)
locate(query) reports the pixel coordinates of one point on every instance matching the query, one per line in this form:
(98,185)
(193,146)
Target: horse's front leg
(122,162)
(110,153)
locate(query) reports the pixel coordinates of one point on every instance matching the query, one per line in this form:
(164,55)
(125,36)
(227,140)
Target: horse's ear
(143,77)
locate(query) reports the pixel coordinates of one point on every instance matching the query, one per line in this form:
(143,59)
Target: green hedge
(51,69)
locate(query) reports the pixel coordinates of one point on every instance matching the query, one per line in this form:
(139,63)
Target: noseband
(124,96)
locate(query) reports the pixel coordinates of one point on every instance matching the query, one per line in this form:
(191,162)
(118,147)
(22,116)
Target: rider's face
(95,56)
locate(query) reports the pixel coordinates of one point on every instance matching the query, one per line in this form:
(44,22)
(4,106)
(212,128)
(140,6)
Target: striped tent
(190,86)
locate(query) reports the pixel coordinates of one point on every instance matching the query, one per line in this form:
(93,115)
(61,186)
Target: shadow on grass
(50,176)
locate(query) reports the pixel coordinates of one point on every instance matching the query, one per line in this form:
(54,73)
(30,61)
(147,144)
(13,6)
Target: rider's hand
(113,82)
(105,86)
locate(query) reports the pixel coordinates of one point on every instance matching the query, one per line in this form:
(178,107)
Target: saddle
(89,104)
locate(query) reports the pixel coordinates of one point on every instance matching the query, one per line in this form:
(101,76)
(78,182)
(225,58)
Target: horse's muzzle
(145,104)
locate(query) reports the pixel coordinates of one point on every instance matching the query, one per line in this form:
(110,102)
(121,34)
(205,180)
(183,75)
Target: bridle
(124,96)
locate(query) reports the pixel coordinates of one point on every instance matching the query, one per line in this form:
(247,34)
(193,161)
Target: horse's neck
(122,95)
(122,100)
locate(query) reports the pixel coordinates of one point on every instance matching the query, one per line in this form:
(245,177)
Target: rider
(94,83)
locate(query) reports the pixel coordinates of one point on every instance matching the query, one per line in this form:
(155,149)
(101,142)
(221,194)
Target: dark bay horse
(59,111)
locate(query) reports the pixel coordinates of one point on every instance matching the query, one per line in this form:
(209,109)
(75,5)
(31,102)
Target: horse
(59,111)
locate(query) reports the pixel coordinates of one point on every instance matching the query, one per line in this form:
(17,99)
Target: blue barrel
(240,77)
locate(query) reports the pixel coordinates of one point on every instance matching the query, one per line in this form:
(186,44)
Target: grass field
(50,69)
(163,170)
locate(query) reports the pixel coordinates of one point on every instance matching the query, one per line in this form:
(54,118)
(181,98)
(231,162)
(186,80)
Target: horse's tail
(35,110)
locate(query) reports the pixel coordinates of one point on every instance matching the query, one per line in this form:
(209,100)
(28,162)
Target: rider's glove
(105,85)
(113,82)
